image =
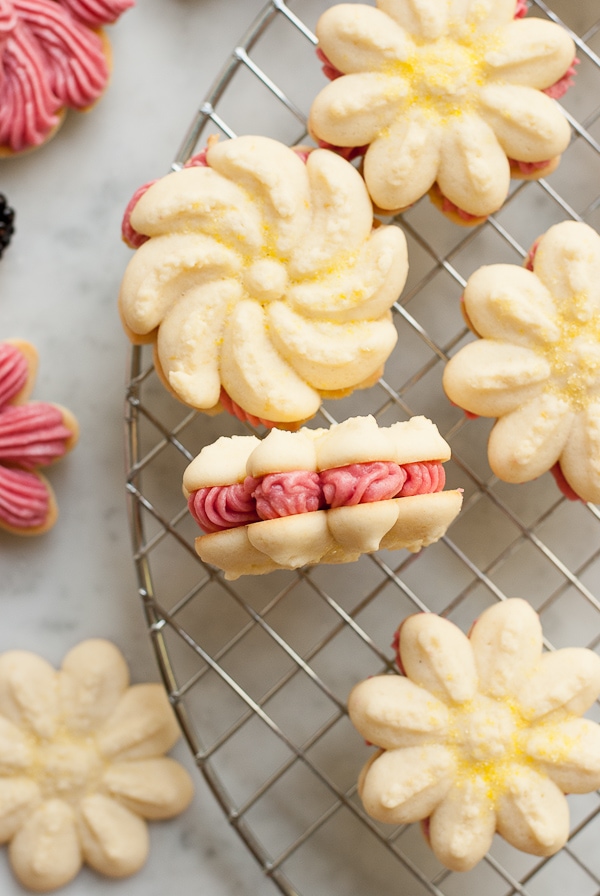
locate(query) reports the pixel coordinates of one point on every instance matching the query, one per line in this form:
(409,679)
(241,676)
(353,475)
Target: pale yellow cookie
(480,734)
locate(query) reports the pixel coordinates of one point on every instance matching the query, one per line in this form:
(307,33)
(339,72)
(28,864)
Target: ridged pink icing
(223,506)
(362,483)
(32,434)
(301,491)
(24,499)
(13,372)
(95,13)
(50,61)
(287,494)
(423,479)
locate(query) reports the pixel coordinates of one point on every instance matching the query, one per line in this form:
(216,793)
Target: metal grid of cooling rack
(259,669)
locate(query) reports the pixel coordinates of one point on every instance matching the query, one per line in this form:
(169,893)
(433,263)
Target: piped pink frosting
(24,499)
(96,13)
(277,495)
(51,59)
(33,434)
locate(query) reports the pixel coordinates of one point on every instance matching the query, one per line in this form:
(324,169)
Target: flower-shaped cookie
(443,93)
(537,365)
(82,765)
(480,734)
(263,284)
(33,434)
(53,56)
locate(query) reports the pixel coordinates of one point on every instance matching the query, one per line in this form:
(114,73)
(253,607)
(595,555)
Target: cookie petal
(529,440)
(507,644)
(474,171)
(580,458)
(29,692)
(18,366)
(342,214)
(406,785)
(355,109)
(93,678)
(327,355)
(403,162)
(276,178)
(462,826)
(567,261)
(426,19)
(201,200)
(531,52)
(256,376)
(391,711)
(114,840)
(569,754)
(365,287)
(18,798)
(360,38)
(437,656)
(566,679)
(189,341)
(45,852)
(491,378)
(528,125)
(507,302)
(27,502)
(153,788)
(533,814)
(163,269)
(142,726)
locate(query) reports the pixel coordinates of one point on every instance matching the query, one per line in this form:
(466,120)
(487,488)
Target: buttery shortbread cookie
(319,496)
(480,734)
(536,365)
(443,96)
(83,766)
(261,281)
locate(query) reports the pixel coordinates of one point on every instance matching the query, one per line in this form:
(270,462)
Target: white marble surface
(58,285)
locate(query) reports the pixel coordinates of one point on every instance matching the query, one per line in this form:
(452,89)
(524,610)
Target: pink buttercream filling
(24,499)
(50,60)
(563,485)
(279,495)
(32,434)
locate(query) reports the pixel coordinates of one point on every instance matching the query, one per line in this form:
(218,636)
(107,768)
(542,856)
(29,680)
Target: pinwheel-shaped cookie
(480,734)
(536,366)
(54,56)
(320,496)
(82,765)
(443,96)
(263,285)
(33,434)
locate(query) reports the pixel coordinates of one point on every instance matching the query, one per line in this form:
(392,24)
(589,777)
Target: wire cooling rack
(258,670)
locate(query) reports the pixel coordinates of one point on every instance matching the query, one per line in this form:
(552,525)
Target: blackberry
(7,217)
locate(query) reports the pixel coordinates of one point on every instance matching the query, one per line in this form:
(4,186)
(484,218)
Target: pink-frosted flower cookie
(54,56)
(83,765)
(480,734)
(33,434)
